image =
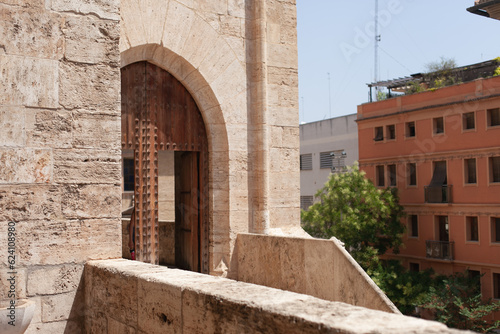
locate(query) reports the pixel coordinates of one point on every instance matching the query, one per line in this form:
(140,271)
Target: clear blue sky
(336,37)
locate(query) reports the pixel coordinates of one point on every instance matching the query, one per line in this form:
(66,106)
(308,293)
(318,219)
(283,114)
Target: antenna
(377,39)
(329,95)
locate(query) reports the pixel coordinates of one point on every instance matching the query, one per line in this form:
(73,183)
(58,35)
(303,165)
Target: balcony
(438,194)
(442,250)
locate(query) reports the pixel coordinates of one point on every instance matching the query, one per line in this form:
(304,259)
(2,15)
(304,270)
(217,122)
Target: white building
(321,146)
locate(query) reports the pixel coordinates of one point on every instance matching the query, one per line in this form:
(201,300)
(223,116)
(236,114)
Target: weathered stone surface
(29,82)
(31,32)
(91,201)
(217,305)
(86,166)
(106,9)
(58,307)
(25,3)
(97,131)
(27,202)
(12,120)
(66,326)
(49,128)
(54,280)
(53,242)
(83,85)
(25,165)
(12,284)
(89,40)
(116,327)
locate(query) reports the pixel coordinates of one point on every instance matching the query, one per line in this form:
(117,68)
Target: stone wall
(131,297)
(316,267)
(59,150)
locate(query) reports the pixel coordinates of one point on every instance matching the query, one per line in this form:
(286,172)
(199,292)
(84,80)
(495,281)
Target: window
(472,228)
(493,117)
(390,131)
(306,161)
(413,225)
(325,160)
(391,171)
(380,176)
(414,267)
(495,169)
(128,174)
(412,174)
(379,133)
(438,125)
(470,170)
(496,286)
(305,202)
(475,277)
(495,229)
(410,129)
(469,121)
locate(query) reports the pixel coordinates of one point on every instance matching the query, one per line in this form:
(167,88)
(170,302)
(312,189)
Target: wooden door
(187,211)
(158,113)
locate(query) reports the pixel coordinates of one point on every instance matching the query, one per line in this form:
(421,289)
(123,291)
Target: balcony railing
(439,194)
(439,249)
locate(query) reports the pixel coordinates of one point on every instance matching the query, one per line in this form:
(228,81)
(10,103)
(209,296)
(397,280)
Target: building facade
(441,149)
(318,140)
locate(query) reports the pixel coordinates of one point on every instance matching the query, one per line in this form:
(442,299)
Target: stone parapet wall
(316,267)
(59,150)
(124,296)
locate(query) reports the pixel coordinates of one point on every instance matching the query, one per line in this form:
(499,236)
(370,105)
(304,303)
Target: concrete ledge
(125,296)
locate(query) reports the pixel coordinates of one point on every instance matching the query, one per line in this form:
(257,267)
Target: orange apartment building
(441,149)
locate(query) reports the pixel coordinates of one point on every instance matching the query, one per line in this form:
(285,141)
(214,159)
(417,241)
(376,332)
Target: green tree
(365,218)
(456,301)
(406,289)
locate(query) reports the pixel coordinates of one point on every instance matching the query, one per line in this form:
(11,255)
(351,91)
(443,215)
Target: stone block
(58,307)
(54,280)
(25,165)
(91,201)
(282,76)
(89,40)
(154,315)
(116,327)
(49,128)
(13,132)
(216,60)
(31,32)
(153,15)
(28,202)
(236,8)
(12,283)
(177,26)
(97,131)
(282,55)
(231,26)
(65,326)
(86,166)
(199,42)
(56,242)
(29,82)
(26,3)
(84,86)
(104,9)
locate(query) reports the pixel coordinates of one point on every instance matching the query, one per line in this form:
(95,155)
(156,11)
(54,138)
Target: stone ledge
(156,299)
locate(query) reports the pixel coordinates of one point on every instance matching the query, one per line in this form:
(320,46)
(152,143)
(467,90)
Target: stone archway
(159,114)
(217,137)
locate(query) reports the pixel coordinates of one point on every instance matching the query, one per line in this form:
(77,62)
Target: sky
(336,46)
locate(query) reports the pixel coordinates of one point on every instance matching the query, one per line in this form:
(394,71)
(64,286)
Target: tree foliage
(366,219)
(456,301)
(406,289)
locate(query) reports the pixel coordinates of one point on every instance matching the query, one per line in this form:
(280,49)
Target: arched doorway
(159,115)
